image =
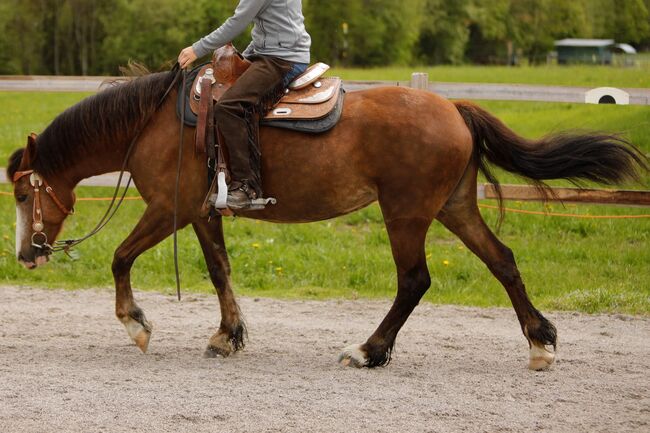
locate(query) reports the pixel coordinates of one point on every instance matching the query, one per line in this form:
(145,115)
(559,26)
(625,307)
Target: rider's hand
(186,57)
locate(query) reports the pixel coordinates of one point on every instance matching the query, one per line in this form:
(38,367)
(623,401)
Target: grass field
(587,76)
(568,264)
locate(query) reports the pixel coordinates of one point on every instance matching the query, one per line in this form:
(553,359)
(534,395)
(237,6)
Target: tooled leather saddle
(311,104)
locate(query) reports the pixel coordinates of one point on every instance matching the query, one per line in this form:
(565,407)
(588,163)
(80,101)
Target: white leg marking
(540,358)
(138,334)
(353,356)
(133,328)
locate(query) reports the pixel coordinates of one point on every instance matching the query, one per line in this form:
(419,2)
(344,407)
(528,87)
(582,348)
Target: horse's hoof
(139,333)
(353,356)
(142,340)
(212,352)
(540,358)
(220,345)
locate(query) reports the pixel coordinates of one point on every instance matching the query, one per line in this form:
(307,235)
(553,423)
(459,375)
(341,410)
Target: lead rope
(178,180)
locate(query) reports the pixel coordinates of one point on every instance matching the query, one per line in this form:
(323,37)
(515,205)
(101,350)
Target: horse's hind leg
(407,237)
(154,226)
(462,217)
(231,334)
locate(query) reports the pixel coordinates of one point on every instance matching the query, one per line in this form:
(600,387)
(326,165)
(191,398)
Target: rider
(279,52)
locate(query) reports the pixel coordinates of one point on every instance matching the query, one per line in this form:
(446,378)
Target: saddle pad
(191,118)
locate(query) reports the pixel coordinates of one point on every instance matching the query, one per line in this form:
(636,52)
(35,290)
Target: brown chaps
(238,112)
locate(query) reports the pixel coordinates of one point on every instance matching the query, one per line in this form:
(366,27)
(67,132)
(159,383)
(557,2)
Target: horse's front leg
(232,331)
(154,226)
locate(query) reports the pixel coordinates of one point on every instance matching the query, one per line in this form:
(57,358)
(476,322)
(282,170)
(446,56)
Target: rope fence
(482,206)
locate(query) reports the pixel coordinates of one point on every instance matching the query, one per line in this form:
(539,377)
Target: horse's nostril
(21,257)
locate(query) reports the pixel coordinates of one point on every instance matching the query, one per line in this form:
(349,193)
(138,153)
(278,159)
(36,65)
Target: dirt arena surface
(67,365)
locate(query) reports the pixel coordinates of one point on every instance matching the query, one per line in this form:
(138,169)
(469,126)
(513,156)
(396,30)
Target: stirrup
(256,204)
(220,200)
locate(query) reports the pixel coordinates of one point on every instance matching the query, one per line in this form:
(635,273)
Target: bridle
(37,209)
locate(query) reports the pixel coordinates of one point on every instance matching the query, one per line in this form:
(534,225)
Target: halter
(37,211)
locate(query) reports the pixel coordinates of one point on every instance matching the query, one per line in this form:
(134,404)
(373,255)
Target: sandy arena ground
(67,365)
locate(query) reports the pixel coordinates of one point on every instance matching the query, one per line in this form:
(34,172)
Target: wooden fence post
(420,80)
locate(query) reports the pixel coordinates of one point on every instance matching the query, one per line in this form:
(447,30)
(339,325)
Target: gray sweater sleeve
(246,11)
(250,50)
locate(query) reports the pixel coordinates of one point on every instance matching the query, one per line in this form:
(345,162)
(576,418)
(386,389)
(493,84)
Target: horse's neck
(102,160)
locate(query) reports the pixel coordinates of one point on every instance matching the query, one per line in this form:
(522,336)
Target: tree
(624,20)
(444,31)
(490,32)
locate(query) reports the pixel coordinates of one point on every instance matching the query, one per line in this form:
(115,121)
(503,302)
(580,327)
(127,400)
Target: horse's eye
(21,198)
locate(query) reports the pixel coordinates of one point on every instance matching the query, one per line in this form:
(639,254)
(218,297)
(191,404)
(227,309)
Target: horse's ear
(30,152)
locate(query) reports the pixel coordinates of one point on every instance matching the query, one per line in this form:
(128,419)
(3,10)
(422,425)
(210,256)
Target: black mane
(106,119)
(14,163)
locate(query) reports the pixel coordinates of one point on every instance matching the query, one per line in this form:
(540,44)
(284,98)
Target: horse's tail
(603,158)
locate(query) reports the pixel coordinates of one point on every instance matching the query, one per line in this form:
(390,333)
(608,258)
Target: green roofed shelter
(595,51)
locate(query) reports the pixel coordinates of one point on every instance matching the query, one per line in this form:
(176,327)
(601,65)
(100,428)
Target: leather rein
(37,181)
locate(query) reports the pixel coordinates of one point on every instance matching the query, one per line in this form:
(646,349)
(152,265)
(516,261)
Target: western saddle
(311,104)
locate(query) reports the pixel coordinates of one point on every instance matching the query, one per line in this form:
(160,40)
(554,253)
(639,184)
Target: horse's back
(387,138)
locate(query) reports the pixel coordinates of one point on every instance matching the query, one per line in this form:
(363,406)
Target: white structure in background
(626,48)
(607,95)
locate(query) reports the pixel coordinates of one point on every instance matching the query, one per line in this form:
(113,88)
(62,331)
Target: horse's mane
(14,163)
(106,119)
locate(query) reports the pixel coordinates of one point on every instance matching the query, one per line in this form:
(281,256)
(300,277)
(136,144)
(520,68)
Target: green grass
(587,76)
(568,264)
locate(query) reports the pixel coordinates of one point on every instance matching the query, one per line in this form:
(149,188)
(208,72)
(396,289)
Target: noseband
(37,211)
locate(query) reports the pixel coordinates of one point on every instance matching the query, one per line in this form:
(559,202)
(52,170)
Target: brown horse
(414,152)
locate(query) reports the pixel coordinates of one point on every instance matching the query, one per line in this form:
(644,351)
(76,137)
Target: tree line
(95,37)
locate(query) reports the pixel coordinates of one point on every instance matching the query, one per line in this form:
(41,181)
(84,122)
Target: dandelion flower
(255,245)
(445,262)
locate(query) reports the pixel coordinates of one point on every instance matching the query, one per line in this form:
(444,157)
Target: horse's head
(40,210)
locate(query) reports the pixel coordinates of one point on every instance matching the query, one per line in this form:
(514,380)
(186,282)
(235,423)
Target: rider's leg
(257,90)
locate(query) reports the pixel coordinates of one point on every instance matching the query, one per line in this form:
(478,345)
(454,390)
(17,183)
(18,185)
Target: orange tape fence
(483,206)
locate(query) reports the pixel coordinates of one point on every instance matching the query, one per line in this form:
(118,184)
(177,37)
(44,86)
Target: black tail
(603,158)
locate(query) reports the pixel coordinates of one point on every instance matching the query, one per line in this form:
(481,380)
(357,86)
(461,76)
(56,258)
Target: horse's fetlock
(541,331)
(379,351)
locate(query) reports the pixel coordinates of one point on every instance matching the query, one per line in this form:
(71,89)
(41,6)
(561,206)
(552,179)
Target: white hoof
(353,356)
(540,358)
(138,333)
